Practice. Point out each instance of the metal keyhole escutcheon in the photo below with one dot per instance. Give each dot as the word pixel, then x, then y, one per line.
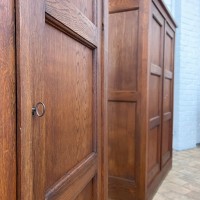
pixel 39 109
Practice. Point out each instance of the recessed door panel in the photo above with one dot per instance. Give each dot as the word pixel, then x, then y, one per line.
pixel 121 148
pixel 168 95
pixel 62 58
pixel 123 38
pixel 69 138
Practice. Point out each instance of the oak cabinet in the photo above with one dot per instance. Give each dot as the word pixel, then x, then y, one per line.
pixel 52 83
pixel 140 97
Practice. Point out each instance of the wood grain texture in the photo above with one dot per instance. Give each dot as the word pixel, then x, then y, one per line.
pixel 62 72
pixel 87 8
pixel 29 54
pixel 168 94
pixel 155 94
pixel 73 19
pixel 160 136
pixel 7 102
pixel 143 87
pixel 73 129
pixel 120 188
pixel 65 187
pixel 122 143
pixel 104 72
pixel 123 110
pixel 122 70
pixel 87 193
pixel 123 96
pixel 122 5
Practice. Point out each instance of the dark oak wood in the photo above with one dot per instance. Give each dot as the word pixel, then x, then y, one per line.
pixel 104 135
pixel 129 96
pixel 140 97
pixel 163 133
pixel 168 82
pixel 8 102
pixel 72 19
pixel 155 94
pixel 122 5
pixel 59 46
pixel 68 187
pixel 125 164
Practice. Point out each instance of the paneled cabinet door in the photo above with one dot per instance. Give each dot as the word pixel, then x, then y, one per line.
pixel 155 93
pixel 167 95
pixel 59 66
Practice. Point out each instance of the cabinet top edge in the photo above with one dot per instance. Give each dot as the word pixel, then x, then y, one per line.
pixel 164 7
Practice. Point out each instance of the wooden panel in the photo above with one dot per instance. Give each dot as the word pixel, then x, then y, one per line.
pixel 153 153
pixel 60 153
pixel 165 12
pixel 120 188
pixel 156 42
pixel 156 70
pixel 154 122
pixel 7 101
pixel 154 96
pixel 104 96
pixel 122 5
pixel 168 52
pixel 168 95
pixel 123 40
pixel 86 7
pixel 166 141
pixel 74 21
pixel 155 170
pixel 121 139
pixel 75 71
pixel 87 193
pixel 123 96
pixel 167 98
pixel 67 187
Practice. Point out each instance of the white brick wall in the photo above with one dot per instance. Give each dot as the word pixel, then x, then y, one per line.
pixel 187 73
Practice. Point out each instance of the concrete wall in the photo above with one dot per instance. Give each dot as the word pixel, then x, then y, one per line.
pixel 187 73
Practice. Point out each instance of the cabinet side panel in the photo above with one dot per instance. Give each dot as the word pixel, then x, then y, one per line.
pixel 7 102
pixel 123 97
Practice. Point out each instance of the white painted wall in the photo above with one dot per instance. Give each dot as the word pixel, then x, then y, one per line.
pixel 187 73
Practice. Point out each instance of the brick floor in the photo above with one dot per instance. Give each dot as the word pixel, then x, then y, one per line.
pixel 183 182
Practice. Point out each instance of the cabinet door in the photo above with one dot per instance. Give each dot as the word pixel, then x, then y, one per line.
pixel 124 144
pixel 155 93
pixel 167 95
pixel 59 65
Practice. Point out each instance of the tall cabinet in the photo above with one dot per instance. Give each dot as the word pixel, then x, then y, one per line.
pixel 140 97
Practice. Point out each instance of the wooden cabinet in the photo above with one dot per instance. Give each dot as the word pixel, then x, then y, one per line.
pixel 140 97
pixel 52 86
pixel 54 59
